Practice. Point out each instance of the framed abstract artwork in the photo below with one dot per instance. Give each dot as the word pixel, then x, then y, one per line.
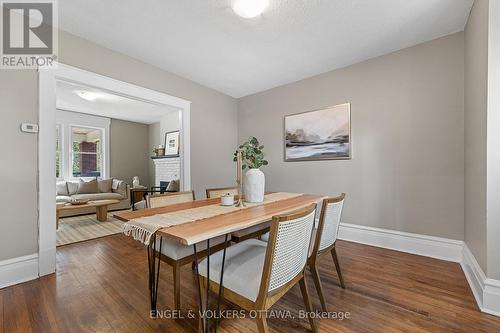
pixel 172 143
pixel 323 134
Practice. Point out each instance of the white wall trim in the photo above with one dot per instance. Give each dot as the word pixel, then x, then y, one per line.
pixel 486 291
pixel 18 270
pixel 429 246
pixel 46 143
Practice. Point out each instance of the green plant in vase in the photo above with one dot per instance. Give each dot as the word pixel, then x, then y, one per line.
pixel 252 158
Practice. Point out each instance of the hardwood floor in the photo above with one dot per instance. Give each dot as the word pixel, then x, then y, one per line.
pixel 101 286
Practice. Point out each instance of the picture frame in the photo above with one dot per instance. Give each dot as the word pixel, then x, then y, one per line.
pixel 321 134
pixel 172 143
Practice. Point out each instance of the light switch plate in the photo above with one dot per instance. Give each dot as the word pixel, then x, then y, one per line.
pixel 29 128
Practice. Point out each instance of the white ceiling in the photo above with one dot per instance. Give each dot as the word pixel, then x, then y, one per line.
pixel 108 105
pixel 203 40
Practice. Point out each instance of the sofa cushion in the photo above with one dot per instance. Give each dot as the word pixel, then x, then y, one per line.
pixel 62 198
pixel 62 188
pixel 105 185
pixel 87 187
pixel 98 196
pixel 72 187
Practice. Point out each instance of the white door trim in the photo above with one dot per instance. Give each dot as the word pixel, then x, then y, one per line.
pixel 46 143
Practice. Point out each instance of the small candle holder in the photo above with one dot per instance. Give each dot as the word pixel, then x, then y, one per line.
pixel 239 180
pixel 240 202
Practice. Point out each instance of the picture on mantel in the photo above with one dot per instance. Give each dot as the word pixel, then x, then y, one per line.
pixel 172 143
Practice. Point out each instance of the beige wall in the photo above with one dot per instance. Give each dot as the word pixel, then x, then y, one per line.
pixel 213 119
pixel 154 141
pixel 129 151
pixel 407 171
pixel 18 168
pixel 476 86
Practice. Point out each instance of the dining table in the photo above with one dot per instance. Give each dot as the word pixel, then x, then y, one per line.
pixel 204 229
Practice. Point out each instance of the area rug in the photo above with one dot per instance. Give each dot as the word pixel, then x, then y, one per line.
pixel 80 228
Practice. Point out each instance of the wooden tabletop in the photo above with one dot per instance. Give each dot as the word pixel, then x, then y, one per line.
pixel 197 231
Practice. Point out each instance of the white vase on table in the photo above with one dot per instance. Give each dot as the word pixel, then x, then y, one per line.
pixel 254 186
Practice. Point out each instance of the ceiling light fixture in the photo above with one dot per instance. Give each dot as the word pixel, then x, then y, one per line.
pixel 249 8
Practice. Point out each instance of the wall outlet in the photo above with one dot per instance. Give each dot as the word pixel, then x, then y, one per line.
pixel 29 128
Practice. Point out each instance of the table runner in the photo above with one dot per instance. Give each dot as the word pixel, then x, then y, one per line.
pixel 143 228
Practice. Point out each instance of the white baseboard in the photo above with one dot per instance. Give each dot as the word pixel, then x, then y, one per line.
pixel 17 270
pixel 428 246
pixel 486 291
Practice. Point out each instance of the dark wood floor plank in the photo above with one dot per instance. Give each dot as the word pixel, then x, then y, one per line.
pixel 101 285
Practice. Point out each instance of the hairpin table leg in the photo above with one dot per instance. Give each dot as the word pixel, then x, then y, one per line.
pixel 205 318
pixel 154 272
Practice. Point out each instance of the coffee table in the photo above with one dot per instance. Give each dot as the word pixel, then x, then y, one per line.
pixel 101 208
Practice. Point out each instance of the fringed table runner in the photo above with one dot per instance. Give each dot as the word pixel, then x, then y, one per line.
pixel 143 228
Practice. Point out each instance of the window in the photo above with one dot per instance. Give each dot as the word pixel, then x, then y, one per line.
pixel 58 152
pixel 86 152
pixel 82 146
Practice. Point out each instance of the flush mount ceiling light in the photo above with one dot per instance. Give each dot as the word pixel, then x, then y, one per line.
pixel 249 8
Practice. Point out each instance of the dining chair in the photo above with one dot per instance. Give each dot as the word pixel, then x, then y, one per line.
pixel 324 241
pixel 174 254
pixel 219 192
pixel 240 235
pixel 324 238
pixel 165 199
pixel 257 274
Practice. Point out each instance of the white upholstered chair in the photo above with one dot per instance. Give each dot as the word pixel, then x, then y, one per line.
pixel 324 238
pixel 173 253
pixel 324 241
pixel 257 274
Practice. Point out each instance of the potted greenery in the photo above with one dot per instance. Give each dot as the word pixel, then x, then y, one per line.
pixel 252 159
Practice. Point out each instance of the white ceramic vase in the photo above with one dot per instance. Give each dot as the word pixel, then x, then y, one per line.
pixel 254 185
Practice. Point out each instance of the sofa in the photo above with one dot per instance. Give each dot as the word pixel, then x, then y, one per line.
pixel 96 189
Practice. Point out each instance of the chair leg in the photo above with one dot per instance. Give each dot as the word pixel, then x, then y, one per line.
pixel 177 286
pixel 307 303
pixel 337 266
pixel 317 284
pixel 261 324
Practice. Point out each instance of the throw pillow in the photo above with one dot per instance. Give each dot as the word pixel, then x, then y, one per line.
pixel 88 187
pixel 72 187
pixel 173 186
pixel 105 185
pixel 61 188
